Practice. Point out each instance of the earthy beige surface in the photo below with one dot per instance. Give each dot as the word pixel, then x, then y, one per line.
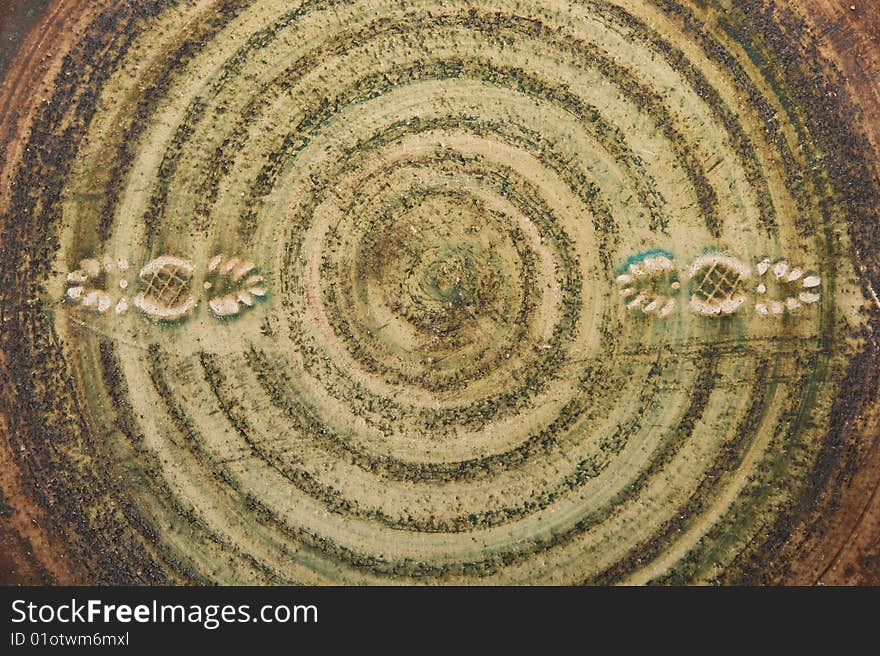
pixel 415 360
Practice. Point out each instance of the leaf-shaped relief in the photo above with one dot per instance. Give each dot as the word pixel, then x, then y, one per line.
pixel 650 284
pixel 98 285
pixel 232 285
pixel 783 289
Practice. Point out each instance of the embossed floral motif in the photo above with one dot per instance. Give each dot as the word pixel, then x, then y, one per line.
pixel 784 289
pixel 231 283
pixel 650 284
pixel 166 289
pixel 98 285
pixel 719 285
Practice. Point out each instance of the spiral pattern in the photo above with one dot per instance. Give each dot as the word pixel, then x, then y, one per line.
pixel 442 383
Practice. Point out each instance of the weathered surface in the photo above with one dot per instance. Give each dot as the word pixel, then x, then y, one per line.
pixel 435 376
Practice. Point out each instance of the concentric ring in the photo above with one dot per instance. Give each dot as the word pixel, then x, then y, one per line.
pixel 423 368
